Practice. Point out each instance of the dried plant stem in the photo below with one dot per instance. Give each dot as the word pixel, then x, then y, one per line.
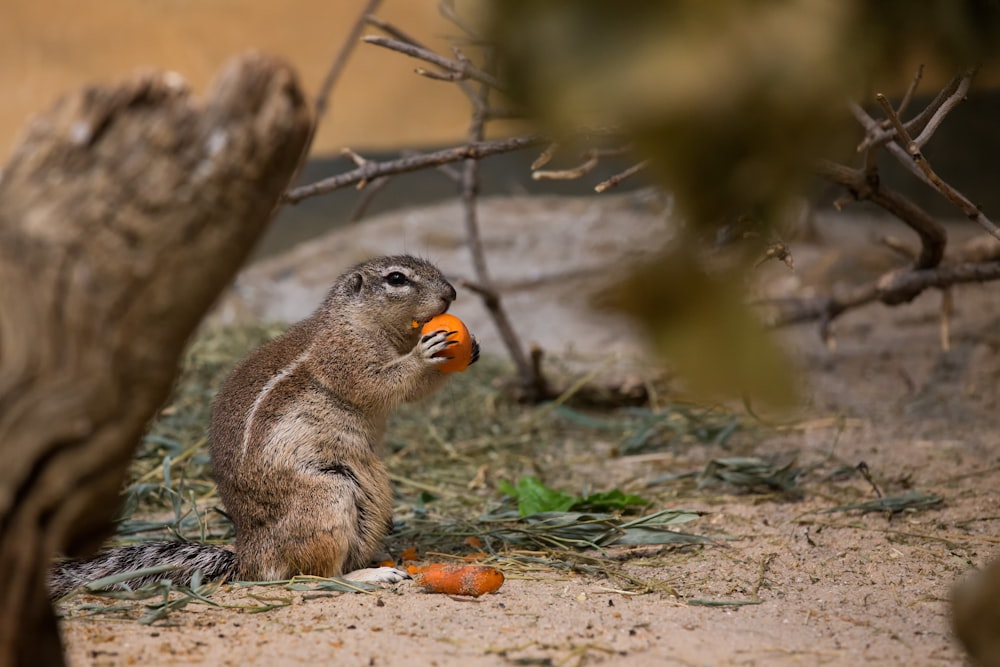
pixel 879 135
pixel 330 80
pixel 372 170
pixel 892 288
pixel 399 35
pixel 531 380
pixel 591 159
pixel 970 210
pixel 872 127
pixel 949 103
pixel 361 208
pixel 908 96
pixel 932 235
pixel 462 68
pixel 621 176
pixel 864 184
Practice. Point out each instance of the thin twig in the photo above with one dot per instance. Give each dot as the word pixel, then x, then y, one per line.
pixel 454 175
pixel 330 80
pixel 447 10
pixel 491 297
pixel 545 157
pixel 570 174
pixel 891 288
pixel 398 34
pixel 621 176
pixel 591 159
pixel 372 170
pixel 873 127
pixel 970 210
pixel 879 136
pixel 908 96
pixel 373 189
pixel 947 105
pixel 464 68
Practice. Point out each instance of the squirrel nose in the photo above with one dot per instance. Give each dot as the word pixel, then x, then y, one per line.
pixel 451 294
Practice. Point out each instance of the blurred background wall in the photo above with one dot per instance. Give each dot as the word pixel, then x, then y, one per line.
pixel 48 47
pixel 51 46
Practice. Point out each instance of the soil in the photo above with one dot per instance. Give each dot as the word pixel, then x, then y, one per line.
pixel 792 585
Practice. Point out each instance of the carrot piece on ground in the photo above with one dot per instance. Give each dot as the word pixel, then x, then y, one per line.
pixel 408 554
pixel 474 580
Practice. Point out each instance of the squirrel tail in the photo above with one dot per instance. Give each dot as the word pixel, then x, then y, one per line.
pixel 214 562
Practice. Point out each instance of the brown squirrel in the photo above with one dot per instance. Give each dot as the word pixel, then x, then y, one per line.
pixel 296 437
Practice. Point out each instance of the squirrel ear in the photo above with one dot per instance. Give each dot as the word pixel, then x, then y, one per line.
pixel 355 282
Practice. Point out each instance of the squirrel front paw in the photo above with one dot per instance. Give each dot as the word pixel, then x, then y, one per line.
pixel 431 345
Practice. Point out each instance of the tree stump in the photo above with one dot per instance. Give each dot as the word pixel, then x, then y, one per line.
pixel 124 211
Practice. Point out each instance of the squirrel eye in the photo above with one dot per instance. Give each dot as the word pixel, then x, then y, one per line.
pixel 396 279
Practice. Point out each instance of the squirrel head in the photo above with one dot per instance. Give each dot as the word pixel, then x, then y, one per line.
pixel 390 293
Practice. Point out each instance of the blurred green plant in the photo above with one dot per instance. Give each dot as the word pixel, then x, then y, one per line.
pixel 534 497
pixel 731 102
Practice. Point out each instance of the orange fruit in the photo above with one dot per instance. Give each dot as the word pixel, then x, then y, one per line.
pixel 460 355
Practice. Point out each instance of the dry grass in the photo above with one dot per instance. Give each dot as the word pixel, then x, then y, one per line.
pixel 448 456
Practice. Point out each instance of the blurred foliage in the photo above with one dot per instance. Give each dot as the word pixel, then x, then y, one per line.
pixel 699 322
pixel 730 101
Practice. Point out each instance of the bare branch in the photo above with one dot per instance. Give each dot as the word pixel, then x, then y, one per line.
pixel 447 10
pixel 933 237
pixel 882 135
pixel 392 30
pixel 619 177
pixel 567 174
pixel 925 114
pixel 441 76
pixel 545 157
pixel 872 127
pixel 532 382
pixel 366 199
pixel 591 159
pixel 372 170
pixel 330 80
pixel 462 67
pixel 340 62
pixel 949 103
pixel 892 288
pixel 397 33
pixel 970 210
pixel 908 96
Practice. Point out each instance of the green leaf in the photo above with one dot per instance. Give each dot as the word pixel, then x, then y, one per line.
pixel 610 500
pixel 534 497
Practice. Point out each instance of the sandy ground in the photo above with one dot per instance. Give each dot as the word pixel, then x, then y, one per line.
pixel 833 589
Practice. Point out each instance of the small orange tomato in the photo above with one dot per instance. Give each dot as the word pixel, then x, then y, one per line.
pixel 460 355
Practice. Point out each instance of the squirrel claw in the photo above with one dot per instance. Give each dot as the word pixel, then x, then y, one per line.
pixel 475 350
pixel 434 343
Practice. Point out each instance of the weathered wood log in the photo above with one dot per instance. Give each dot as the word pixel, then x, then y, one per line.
pixel 124 211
